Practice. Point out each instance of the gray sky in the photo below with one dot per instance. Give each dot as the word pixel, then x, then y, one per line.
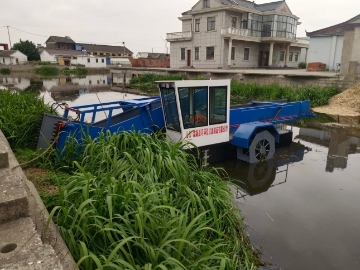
pixel 140 23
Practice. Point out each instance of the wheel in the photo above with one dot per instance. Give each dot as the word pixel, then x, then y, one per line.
pixel 262 147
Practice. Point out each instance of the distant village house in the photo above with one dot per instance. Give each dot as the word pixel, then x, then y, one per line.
pixel 12 57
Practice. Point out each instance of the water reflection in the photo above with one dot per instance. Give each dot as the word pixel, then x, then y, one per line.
pixel 340 141
pixel 253 179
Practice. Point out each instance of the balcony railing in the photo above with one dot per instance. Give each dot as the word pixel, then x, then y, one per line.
pixel 303 41
pixel 179 36
pixel 235 31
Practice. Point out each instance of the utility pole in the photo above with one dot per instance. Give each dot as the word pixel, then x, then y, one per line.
pixel 165 45
pixel 124 47
pixel 9 36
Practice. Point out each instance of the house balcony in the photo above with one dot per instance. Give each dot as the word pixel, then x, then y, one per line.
pixel 301 42
pixel 238 33
pixel 179 36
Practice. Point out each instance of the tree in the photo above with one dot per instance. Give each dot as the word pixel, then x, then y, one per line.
pixel 28 48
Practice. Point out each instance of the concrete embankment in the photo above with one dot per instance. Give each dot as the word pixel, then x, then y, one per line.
pixel 24 242
pixel 29 68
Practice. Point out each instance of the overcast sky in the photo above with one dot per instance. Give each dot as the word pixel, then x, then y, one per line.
pixel 141 24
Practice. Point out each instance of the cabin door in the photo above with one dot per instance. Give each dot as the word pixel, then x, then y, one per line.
pixel 189 58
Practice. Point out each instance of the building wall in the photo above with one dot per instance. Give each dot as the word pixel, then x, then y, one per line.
pixel 239 54
pixel 145 62
pixel 46 57
pixel 89 61
pixel 326 50
pixel 59 45
pixel 350 60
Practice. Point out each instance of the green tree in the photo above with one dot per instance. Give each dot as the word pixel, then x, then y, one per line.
pixel 28 48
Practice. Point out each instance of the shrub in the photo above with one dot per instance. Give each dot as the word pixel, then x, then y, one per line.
pixel 47 71
pixel 5 71
pixel 146 82
pixel 302 65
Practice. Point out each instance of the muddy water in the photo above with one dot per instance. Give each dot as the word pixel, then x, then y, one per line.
pixel 303 207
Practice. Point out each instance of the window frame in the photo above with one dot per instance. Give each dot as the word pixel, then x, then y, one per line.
pixel 182 54
pixel 291 56
pixel 212 24
pixel 197 53
pixel 206 3
pixel 197 25
pixel 282 56
pixel 88 60
pixel 212 106
pixel 248 54
pixel 233 51
pixel 213 53
pixel 296 56
pixel 233 23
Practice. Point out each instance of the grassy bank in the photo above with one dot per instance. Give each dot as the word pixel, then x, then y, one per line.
pixel 5 71
pixel 132 201
pixel 245 92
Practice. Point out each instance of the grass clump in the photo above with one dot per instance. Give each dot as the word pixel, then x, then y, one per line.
pixel 80 71
pixel 146 82
pixel 5 71
pixel 20 116
pixel 47 71
pixel 139 202
pixel 244 92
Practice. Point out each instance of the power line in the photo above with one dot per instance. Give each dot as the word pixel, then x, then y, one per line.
pixel 27 32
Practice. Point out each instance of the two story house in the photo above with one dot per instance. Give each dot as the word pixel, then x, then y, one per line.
pixel 63 43
pixel 236 34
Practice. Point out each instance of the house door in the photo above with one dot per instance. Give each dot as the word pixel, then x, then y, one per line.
pixel 189 58
pixel 263 59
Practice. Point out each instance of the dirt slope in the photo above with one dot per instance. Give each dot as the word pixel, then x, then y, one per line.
pixel 346 103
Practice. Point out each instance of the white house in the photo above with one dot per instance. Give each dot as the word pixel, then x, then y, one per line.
pixel 18 83
pixel 326 45
pixel 72 57
pixel 12 57
pixel 237 34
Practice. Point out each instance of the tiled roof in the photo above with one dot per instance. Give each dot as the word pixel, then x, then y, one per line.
pixel 105 48
pixel 337 29
pixel 252 5
pixel 63 52
pixel 7 53
pixel 61 39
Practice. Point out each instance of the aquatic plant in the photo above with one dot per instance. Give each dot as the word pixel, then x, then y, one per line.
pixel 140 202
pixel 146 82
pixel 78 71
pixel 5 71
pixel 46 71
pixel 20 116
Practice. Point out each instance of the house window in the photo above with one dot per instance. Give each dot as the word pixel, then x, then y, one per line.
pixel 232 53
pixel 119 54
pixel 97 60
pixel 129 55
pixel 98 81
pixel 291 56
pixel 206 4
pixel 197 25
pixel 211 23
pixel 88 60
pixel 94 53
pixel 101 53
pixel 182 54
pixel 4 60
pixel 197 51
pixel 296 57
pixel 74 57
pixel 210 53
pixel 102 60
pixel 233 22
pixel 113 54
pixel 282 56
pixel 103 81
pixel 247 54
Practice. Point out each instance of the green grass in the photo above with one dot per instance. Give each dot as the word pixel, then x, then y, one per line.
pixel 46 71
pixel 5 71
pixel 20 116
pixel 78 71
pixel 146 82
pixel 139 202
pixel 243 92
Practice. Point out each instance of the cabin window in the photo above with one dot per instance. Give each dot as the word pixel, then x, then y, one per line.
pixel 218 105
pixel 197 25
pixel 211 23
pixel 170 109
pixel 194 106
pixel 182 54
pixel 197 52
pixel 210 53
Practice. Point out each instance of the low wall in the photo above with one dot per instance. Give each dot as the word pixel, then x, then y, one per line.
pixel 294 80
pixel 24 242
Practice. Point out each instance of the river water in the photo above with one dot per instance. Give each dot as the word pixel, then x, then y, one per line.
pixel 302 208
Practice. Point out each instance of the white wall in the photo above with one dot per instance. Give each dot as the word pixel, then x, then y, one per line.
pixel 46 57
pixel 19 83
pixel 89 61
pixel 16 58
pixel 326 50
